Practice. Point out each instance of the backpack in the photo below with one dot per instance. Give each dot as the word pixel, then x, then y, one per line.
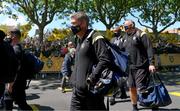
pixel 30 64
pixel 110 79
pixel 120 58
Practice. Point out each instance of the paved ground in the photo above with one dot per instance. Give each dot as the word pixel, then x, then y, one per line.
pixel 44 94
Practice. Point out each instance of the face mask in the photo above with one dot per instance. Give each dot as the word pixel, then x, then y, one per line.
pixel 75 29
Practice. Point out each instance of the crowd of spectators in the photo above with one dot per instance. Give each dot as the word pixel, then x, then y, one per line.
pixel 48 48
pixel 60 48
pixel 165 47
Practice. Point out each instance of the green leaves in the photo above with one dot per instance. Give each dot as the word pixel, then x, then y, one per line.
pixel 158 13
pixel 111 12
pixel 39 12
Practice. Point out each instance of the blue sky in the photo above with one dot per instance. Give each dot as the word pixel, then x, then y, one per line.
pixel 58 23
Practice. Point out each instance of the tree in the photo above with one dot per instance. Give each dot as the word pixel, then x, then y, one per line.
pixel 39 12
pixel 58 34
pixel 1 7
pixel 110 12
pixel 4 28
pixel 79 5
pixel 157 13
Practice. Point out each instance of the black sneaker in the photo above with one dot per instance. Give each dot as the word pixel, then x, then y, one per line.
pixel 112 101
pixel 63 90
pixel 1 105
pixel 124 96
pixel 25 107
pixel 155 108
pixel 135 108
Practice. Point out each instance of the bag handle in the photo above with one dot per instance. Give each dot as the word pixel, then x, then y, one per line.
pixel 155 77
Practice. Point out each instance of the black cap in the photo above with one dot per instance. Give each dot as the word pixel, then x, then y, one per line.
pixel 15 31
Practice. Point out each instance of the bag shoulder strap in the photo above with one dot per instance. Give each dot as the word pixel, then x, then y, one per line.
pixel 140 33
pixel 94 36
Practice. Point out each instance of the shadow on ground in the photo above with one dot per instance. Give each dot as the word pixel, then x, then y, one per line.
pixel 118 100
pixel 122 100
pixel 170 78
pixel 161 109
pixel 46 84
pixel 32 96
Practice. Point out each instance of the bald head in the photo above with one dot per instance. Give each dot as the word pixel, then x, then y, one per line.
pixel 129 25
pixel 70 44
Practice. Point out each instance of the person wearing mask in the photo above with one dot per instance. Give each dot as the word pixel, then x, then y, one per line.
pixel 141 63
pixel 17 88
pixel 121 92
pixel 90 50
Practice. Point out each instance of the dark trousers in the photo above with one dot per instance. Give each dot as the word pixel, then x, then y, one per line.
pixel 2 89
pixel 86 101
pixel 18 95
pixel 63 83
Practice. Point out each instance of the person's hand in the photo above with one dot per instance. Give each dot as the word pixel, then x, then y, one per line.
pixel 152 68
pixel 91 80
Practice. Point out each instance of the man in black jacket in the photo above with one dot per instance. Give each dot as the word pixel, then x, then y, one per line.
pixel 2 67
pixel 17 88
pixel 139 47
pixel 121 92
pixel 8 63
pixel 8 60
pixel 89 51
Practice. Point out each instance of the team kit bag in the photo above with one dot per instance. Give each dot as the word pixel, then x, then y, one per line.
pixel 156 94
pixel 110 79
pixel 31 64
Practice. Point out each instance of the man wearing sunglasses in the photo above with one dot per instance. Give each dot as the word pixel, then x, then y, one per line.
pixel 139 47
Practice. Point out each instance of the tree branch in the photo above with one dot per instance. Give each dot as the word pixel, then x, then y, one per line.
pixel 168 25
pixel 140 21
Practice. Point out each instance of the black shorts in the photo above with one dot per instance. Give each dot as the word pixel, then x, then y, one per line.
pixel 138 78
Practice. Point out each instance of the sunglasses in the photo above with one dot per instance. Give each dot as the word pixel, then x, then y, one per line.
pixel 126 27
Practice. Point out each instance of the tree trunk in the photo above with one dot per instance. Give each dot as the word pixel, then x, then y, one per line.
pixel 108 27
pixel 41 34
pixel 156 34
pixel 76 5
